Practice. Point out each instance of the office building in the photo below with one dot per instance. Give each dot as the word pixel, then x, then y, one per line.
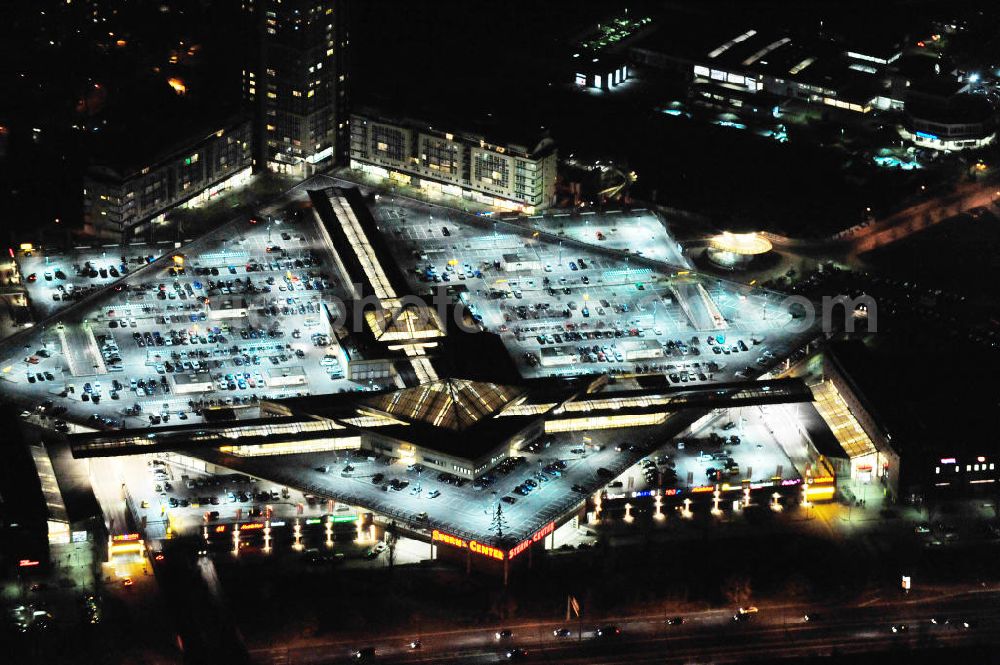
pixel 124 198
pixel 941 114
pixel 465 165
pixel 295 80
pixel 757 69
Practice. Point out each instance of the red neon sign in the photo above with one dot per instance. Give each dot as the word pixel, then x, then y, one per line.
pixel 472 545
pixel 455 541
pixel 528 542
pixel 251 526
pixel 485 550
pixel 27 563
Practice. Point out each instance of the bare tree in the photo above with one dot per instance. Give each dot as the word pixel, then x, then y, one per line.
pixel 737 589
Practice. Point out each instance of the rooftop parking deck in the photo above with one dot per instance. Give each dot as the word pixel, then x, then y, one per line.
pixel 591 302
pixel 263 332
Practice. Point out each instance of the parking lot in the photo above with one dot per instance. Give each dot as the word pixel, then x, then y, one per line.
pixel 55 279
pixel 548 478
pixel 464 508
pixel 736 444
pixel 639 231
pixel 564 311
pixel 239 314
pixel 165 493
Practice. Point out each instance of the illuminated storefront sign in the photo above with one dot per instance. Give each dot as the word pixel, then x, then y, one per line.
pixel 472 545
pixel 27 563
pixel 125 537
pixel 528 542
pixel 486 550
pixel 671 492
pixel 252 526
pixel 703 488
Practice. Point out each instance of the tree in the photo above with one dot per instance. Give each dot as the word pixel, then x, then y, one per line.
pixel 498 524
pixel 390 541
pixel 737 589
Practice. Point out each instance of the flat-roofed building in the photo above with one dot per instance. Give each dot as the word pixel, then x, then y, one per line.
pixel 227 307
pixel 123 197
pixel 558 356
pixel 455 163
pixel 193 382
pixel 942 115
pixel 757 68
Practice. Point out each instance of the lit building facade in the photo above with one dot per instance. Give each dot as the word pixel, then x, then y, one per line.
pixel 296 82
pixel 948 120
pixel 121 202
pixel 758 69
pixel 458 164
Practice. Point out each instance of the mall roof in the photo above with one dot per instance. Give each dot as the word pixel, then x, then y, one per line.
pixel 472 131
pixel 405 322
pixel 455 404
pixel 778 53
pixel 360 247
pixel 921 411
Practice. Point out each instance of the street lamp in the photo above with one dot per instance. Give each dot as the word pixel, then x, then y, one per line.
pixel 716 498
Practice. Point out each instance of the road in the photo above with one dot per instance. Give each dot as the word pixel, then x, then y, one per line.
pixel 776 631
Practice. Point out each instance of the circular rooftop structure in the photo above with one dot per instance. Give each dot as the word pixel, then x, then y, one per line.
pixel 960 122
pixel 736 250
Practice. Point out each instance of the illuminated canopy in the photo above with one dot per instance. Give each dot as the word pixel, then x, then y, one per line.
pixel 744 244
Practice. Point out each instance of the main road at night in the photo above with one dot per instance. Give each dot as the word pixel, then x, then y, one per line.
pixel 973 618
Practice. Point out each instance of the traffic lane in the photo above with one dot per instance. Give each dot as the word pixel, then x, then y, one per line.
pixel 775 629
pixel 716 644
